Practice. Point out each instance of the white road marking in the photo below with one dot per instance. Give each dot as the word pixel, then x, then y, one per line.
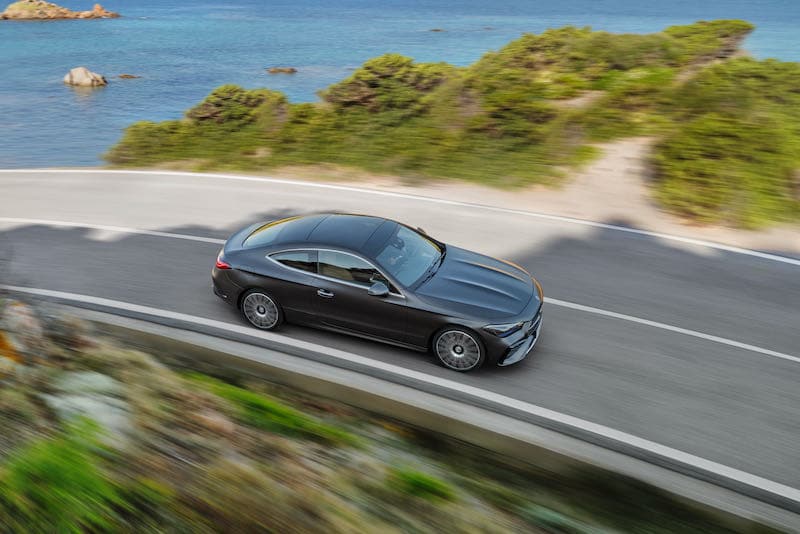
pixel 549 300
pixel 107 228
pixel 675 455
pixel 297 183
pixel 676 329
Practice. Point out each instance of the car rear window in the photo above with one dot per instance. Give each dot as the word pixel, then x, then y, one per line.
pixel 289 230
pixel 304 260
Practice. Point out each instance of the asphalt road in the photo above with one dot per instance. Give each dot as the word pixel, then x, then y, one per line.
pixel 736 406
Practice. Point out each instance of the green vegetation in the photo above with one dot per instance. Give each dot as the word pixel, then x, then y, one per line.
pixel 727 126
pixel 55 485
pixel 266 413
pixel 734 153
pixel 420 484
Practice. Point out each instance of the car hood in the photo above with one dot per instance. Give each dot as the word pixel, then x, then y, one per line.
pixel 478 285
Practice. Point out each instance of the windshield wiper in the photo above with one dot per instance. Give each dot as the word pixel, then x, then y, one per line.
pixel 435 266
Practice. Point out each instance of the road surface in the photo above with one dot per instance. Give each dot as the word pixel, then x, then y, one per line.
pixel 614 350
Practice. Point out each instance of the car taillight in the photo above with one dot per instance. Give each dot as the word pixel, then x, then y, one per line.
pixel 221 263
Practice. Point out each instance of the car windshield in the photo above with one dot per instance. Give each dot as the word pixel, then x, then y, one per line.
pixel 408 255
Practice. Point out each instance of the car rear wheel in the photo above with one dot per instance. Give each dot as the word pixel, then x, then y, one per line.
pixel 261 310
pixel 459 349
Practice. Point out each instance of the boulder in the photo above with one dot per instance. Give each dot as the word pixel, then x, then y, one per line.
pixel 83 77
pixel 128 76
pixel 112 414
pixel 281 70
pixel 22 336
pixel 41 10
pixel 95 396
pixel 88 382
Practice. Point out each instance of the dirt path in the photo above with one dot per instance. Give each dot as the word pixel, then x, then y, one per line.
pixel 611 189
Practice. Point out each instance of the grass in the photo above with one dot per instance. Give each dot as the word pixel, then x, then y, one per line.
pixel 56 485
pixel 267 413
pixel 419 484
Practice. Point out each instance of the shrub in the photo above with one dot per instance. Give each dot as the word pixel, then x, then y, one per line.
pixel 232 105
pixel 389 82
pixel 735 149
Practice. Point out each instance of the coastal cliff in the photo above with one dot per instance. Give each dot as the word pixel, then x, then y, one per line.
pixel 41 10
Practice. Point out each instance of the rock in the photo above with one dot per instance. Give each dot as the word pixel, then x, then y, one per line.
pixel 95 396
pixel 8 366
pixel 436 30
pixel 128 76
pixel 110 413
pixel 41 10
pixel 22 337
pixel 282 70
pixel 84 77
pixel 67 331
pixel 88 382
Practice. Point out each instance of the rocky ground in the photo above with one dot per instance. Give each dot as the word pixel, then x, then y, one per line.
pixel 95 436
pixel 41 10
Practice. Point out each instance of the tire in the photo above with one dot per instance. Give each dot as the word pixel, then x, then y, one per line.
pixel 261 310
pixel 459 349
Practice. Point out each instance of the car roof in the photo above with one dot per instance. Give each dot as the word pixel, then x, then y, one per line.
pixel 362 233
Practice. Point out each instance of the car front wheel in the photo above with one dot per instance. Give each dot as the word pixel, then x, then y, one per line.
pixel 459 349
pixel 261 310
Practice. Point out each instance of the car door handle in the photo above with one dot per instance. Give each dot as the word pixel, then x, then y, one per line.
pixel 324 293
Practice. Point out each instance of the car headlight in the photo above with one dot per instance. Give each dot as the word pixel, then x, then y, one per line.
pixel 539 291
pixel 503 330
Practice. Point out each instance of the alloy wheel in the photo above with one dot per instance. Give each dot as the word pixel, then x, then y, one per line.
pixel 260 310
pixel 458 350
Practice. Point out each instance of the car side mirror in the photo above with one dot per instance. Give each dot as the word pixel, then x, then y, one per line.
pixel 378 289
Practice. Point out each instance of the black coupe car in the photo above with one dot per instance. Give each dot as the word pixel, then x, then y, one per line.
pixel 382 280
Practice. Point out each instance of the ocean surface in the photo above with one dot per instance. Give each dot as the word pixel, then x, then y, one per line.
pixel 182 49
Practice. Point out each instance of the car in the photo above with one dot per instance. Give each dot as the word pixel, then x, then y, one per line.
pixel 382 280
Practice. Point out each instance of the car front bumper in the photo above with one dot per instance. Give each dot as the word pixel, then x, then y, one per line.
pixel 522 347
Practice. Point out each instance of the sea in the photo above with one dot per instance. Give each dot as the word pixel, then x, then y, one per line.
pixel 182 49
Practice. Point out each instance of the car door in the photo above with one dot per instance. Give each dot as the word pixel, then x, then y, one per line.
pixel 343 301
pixel 292 280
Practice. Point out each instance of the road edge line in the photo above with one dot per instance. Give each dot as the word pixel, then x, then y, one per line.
pixel 560 218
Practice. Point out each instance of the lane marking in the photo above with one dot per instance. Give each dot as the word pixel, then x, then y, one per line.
pixel 549 300
pixel 105 227
pixel 781 490
pixel 671 328
pixel 352 189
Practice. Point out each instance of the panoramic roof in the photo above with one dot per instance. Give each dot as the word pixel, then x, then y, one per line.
pixel 341 230
pixel 348 231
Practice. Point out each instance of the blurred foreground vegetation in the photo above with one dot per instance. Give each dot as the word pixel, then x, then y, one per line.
pixel 728 126
pixel 96 437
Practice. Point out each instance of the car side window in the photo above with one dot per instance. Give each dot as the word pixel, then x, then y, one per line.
pixel 348 268
pixel 304 260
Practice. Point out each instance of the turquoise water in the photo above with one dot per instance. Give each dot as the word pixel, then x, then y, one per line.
pixel 183 49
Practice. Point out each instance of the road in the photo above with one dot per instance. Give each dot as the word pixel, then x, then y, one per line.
pixel 612 350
